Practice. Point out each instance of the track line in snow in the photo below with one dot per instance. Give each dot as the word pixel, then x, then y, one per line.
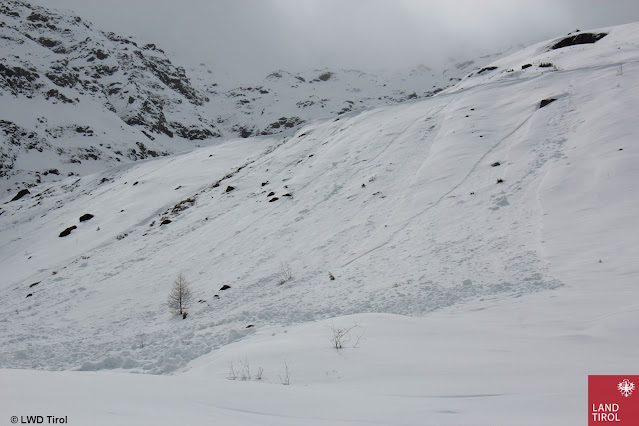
pixel 442 197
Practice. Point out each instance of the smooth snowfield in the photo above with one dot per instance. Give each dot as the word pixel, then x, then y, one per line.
pixel 480 302
pixel 450 368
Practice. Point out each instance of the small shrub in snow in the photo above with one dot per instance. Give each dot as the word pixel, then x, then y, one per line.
pixel 232 372
pixel 141 339
pixel 243 371
pixel 285 272
pixel 285 377
pixel 340 337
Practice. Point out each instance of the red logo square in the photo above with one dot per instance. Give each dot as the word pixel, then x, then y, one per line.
pixel 613 400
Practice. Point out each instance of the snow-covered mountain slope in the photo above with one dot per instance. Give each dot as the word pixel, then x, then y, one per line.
pixel 283 99
pixel 75 99
pixel 469 197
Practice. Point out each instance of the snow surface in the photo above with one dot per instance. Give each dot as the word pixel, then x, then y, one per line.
pixel 475 302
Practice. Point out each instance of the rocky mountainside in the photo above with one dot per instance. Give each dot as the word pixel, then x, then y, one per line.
pixel 76 99
pixel 284 99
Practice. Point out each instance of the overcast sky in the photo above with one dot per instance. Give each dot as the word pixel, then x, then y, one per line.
pixel 254 37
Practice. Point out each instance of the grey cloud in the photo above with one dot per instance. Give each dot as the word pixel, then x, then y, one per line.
pixel 252 37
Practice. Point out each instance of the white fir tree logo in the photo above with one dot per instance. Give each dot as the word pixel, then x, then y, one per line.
pixel 626 387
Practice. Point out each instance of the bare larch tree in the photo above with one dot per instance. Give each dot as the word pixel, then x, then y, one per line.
pixel 180 296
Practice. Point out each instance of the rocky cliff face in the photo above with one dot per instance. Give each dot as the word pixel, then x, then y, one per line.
pixel 62 58
pixel 72 94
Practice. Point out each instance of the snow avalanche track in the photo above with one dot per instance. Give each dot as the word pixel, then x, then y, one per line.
pixel 401 204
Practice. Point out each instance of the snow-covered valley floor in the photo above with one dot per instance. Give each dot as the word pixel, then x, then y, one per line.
pixel 481 293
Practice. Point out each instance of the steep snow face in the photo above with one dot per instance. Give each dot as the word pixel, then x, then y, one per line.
pixel 473 196
pixel 589 198
pixel 76 100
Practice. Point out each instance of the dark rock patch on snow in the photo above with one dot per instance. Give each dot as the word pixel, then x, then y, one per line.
pixel 282 123
pixel 325 76
pixel 85 217
pixel 67 231
pixel 545 102
pixel 486 69
pixel 20 194
pixel 581 38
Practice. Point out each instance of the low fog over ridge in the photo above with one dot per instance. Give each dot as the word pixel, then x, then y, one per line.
pixel 250 38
